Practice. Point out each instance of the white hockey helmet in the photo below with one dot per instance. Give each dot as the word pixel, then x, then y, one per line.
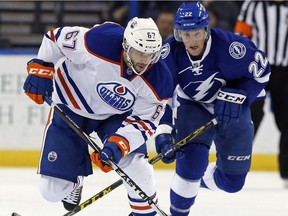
pixel 142 34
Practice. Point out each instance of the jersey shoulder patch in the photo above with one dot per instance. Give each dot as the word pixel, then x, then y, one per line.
pixel 105 41
pixel 160 80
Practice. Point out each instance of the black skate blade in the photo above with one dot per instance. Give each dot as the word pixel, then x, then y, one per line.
pixel 15 214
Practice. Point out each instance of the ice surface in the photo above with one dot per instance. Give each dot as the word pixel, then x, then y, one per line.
pixel 263 195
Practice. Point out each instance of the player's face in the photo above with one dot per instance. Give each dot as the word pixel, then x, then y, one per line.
pixel 194 41
pixel 140 60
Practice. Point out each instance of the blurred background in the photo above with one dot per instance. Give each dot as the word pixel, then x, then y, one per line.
pixel 22 25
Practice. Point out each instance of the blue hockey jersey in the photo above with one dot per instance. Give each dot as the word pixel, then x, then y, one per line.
pixel 229 60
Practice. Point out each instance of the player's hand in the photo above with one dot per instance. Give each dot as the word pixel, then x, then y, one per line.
pixel 114 149
pixel 165 145
pixel 97 161
pixel 228 106
pixel 39 81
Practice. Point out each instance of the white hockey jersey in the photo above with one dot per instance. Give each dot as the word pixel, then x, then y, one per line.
pixel 94 81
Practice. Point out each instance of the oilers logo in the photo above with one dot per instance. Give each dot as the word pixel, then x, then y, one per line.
pixel 116 95
pixel 52 156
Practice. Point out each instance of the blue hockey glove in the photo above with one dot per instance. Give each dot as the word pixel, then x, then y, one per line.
pixel 164 144
pixel 228 106
pixel 39 81
pixel 115 148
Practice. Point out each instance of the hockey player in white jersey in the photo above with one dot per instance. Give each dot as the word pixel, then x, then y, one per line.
pixel 218 74
pixel 111 81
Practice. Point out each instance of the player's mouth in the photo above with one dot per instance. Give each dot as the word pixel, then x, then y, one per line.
pixel 194 47
pixel 141 66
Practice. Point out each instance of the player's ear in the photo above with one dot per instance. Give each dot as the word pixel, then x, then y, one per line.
pixel 207 33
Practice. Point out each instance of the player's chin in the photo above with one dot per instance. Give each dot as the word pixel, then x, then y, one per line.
pixel 194 51
pixel 140 67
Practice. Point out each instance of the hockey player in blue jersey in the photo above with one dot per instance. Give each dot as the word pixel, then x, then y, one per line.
pixel 109 80
pixel 217 74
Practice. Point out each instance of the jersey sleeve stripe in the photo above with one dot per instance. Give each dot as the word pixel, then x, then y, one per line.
pixel 52 34
pixel 76 89
pixel 67 90
pixel 141 123
pixel 58 33
pixel 59 93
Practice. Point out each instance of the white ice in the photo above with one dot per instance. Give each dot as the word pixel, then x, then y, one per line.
pixel 263 195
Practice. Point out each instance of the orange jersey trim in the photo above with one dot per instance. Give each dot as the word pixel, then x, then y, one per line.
pixel 151 87
pixel 144 126
pixel 94 54
pixel 122 144
pixel 52 35
pixel 67 90
pixel 243 29
pixel 142 207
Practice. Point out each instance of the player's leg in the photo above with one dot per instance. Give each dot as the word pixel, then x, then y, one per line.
pixel 190 169
pixel 64 161
pixel 56 189
pixel 257 113
pixel 234 152
pixel 137 167
pixel 279 95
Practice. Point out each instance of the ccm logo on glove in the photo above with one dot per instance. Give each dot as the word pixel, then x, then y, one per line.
pixel 39 81
pixel 231 97
pixel 40 70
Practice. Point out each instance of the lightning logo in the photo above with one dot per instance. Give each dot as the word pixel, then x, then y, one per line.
pixel 237 50
pixel 207 90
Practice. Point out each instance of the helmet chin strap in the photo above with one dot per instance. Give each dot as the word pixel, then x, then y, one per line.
pixel 130 64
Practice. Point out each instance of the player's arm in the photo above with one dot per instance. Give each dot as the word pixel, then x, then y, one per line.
pixel 64 42
pixel 57 43
pixel 244 24
pixel 256 73
pixel 163 137
pixel 236 98
pixel 135 131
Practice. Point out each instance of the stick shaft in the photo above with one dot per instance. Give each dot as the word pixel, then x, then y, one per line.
pixel 151 161
pixel 187 139
pixel 95 197
pixel 114 166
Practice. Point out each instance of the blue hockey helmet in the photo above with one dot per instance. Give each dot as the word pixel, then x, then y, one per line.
pixel 191 16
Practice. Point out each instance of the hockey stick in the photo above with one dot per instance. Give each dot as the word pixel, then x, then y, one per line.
pixel 95 197
pixel 152 161
pixel 155 159
pixel 111 163
pixel 187 139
